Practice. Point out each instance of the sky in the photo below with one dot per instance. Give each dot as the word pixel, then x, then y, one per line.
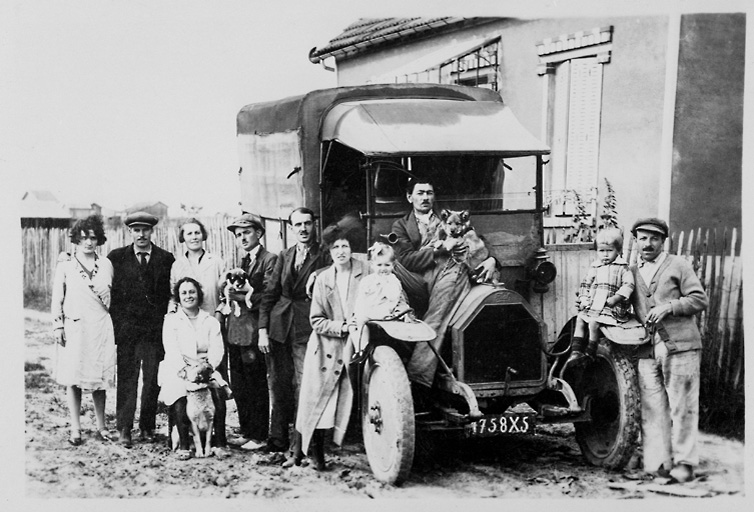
pixel 118 102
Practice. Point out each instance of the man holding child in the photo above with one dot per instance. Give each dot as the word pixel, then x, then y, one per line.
pixel 668 295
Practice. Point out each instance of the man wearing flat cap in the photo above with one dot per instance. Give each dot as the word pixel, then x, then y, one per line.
pixel 140 296
pixel 668 295
pixel 248 371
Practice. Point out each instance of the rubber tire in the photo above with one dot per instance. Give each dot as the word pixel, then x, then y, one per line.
pixel 610 439
pixel 391 450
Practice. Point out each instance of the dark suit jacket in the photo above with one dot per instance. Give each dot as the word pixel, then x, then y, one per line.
pixel 408 247
pixel 285 306
pixel 243 330
pixel 139 299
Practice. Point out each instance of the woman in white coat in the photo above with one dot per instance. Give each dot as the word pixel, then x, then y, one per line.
pixel 326 396
pixel 193 333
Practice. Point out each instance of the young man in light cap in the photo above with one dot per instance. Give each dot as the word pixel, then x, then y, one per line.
pixel 140 296
pixel 248 371
pixel 668 295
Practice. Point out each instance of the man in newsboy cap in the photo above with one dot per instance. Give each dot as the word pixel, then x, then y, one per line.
pixel 667 296
pixel 140 296
pixel 248 371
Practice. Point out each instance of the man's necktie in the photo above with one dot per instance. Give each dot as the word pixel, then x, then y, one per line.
pixel 143 259
pixel 300 258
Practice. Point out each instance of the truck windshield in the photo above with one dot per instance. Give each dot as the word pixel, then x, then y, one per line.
pixel 478 183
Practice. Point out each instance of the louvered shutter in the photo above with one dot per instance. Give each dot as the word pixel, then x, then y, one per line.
pixel 584 124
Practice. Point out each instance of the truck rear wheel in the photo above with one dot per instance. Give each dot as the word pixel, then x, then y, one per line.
pixel 610 385
pixel 388 417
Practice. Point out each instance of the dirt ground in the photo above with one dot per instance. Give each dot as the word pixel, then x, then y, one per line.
pixel 546 464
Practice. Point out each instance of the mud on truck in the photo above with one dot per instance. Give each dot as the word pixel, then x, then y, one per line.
pixel 350 151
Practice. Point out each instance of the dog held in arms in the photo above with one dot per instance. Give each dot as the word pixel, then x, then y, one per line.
pixel 199 406
pixel 457 224
pixel 236 281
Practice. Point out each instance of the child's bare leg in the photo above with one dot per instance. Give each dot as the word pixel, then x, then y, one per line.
pixel 580 330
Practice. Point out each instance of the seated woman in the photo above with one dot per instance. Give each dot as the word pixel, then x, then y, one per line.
pixel 193 333
pixel 326 394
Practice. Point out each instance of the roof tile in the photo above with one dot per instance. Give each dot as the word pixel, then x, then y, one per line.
pixel 367 32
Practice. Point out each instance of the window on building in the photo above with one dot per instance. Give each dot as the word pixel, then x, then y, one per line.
pixel 476 66
pixel 571 66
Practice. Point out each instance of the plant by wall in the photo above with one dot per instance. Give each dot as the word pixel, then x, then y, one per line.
pixel 609 211
pixel 583 227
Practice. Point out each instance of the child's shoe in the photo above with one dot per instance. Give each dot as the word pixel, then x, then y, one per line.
pixel 577 355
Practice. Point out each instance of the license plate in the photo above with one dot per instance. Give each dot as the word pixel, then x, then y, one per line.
pixel 508 423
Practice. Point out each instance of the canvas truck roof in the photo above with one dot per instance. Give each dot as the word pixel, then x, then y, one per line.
pixel 429 126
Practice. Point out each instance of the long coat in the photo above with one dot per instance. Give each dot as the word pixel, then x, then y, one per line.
pixel 327 355
pixel 179 338
pixel 285 306
pixel 139 299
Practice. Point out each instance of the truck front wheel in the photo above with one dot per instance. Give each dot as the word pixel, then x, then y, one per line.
pixel 609 387
pixel 388 417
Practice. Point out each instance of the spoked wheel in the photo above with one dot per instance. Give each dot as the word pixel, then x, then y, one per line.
pixel 388 417
pixel 610 386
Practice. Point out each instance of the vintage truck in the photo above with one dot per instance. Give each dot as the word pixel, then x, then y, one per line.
pixel 350 151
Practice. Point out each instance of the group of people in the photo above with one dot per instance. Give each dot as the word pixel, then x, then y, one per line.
pixel 286 350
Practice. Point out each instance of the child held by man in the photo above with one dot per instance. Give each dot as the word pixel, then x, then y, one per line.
pixel 603 295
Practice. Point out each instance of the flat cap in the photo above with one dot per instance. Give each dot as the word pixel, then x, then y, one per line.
pixel 652 224
pixel 140 219
pixel 247 220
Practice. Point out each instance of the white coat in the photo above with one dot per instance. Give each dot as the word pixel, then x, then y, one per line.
pixel 180 338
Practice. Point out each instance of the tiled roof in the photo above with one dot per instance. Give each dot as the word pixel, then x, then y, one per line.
pixel 39 195
pixel 368 32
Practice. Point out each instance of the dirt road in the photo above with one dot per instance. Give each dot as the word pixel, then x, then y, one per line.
pixel 544 465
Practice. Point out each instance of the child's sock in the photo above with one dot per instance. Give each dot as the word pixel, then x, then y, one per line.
pixel 591 349
pixel 578 344
pixel 577 353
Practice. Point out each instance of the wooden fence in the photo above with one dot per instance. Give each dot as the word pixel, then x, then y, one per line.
pixel 41 247
pixel 719 268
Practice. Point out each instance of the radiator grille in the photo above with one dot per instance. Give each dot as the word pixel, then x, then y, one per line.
pixel 501 336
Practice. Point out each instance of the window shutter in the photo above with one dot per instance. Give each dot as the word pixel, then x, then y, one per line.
pixel 584 124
